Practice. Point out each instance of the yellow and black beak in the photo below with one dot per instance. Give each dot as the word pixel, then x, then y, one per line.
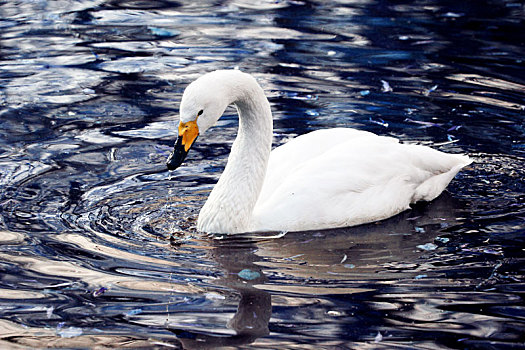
pixel 188 133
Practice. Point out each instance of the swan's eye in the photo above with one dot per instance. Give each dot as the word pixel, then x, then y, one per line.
pixel 200 112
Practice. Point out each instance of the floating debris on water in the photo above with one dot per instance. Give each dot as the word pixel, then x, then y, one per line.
pixel 422 123
pixel 419 229
pixel 428 91
pixel 453 15
pixel 133 312
pixel 297 96
pixel 378 122
pixel 214 296
pixel 49 311
pixel 378 338
pixel 364 92
pixel 427 246
pixel 69 332
pixel 418 277
pixel 454 128
pixel 99 291
pixel 249 275
pixel 163 31
pixel 386 86
pixel 335 313
pixel 293 257
pixel 442 239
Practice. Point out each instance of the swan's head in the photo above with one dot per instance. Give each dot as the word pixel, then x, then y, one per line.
pixel 202 104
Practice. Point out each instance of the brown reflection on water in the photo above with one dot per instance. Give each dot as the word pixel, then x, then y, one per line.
pixel 103 249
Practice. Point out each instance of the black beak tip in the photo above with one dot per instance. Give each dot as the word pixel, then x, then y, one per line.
pixel 177 156
pixel 171 163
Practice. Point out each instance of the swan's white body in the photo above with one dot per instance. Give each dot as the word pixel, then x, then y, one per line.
pixel 325 179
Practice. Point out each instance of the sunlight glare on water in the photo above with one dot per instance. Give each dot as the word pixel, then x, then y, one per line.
pixel 98 245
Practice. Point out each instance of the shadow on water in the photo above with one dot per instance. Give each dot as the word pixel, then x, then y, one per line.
pixel 353 282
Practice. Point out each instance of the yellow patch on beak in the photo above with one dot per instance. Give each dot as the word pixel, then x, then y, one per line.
pixel 189 132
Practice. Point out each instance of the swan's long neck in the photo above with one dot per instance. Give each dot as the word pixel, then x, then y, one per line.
pixel 229 207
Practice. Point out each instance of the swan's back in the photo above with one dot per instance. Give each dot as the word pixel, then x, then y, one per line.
pixel 344 177
pixel 286 159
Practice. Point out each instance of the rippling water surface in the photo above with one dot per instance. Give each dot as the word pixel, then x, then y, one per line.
pixel 97 239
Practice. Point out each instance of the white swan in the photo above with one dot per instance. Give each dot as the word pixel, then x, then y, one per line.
pixel 325 179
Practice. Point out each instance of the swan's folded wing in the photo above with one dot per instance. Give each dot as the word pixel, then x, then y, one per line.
pixel 288 158
pixel 354 183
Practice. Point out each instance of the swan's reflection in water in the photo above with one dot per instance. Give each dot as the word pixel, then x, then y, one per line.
pixel 317 265
pixel 236 256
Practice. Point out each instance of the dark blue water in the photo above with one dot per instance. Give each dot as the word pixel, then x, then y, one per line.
pixel 97 239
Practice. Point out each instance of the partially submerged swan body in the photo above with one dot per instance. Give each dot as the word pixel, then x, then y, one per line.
pixel 324 179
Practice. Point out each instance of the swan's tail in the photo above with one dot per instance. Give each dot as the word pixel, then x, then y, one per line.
pixel 432 188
